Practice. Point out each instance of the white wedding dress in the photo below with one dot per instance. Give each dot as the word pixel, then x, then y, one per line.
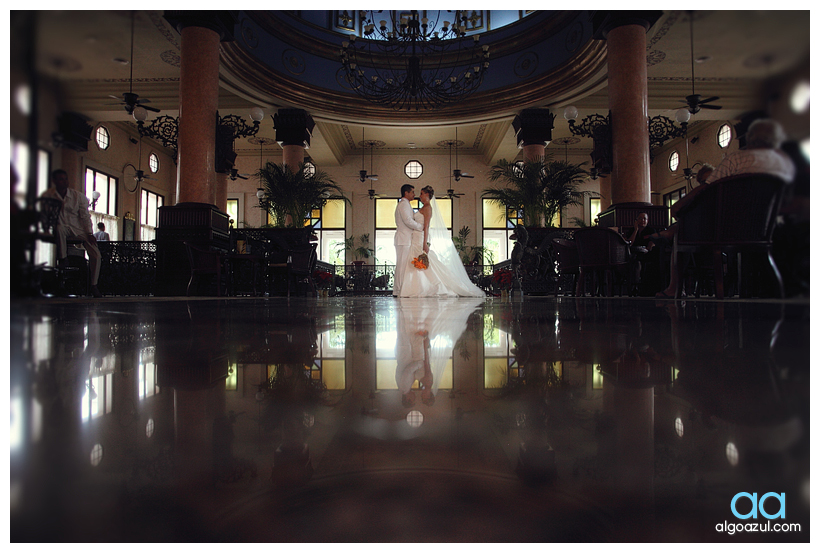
pixel 445 275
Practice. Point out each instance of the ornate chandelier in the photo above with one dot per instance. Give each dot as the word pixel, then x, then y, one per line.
pixel 411 63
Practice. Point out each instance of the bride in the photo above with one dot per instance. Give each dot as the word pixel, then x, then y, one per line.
pixel 445 274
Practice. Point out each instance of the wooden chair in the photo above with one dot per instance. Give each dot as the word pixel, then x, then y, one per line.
pixel 204 263
pixel 734 215
pixel 566 256
pixel 602 251
pixel 301 264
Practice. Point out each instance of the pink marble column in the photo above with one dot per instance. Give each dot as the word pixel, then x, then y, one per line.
pixel 293 155
pixel 221 191
pixel 534 152
pixel 198 97
pixel 628 98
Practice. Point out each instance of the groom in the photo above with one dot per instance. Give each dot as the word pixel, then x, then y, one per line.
pixel 405 225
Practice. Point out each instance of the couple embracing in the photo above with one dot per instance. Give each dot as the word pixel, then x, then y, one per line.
pixel 424 234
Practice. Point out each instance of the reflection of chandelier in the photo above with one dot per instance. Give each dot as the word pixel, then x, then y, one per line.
pixel 412 63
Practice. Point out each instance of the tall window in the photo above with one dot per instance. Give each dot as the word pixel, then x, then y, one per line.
pixel 329 224
pixel 386 225
pixel 498 226
pixel 105 210
pixel 20 160
pixel 150 202
pixel 594 209
pixel 674 196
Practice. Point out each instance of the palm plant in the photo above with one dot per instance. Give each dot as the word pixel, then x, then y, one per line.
pixel 289 197
pixel 360 251
pixel 540 189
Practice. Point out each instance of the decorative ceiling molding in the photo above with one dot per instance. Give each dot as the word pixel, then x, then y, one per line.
pixel 254 79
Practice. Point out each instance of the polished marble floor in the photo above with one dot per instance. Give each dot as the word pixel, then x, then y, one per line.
pixel 377 419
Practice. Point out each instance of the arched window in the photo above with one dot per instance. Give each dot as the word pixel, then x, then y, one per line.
pixel 674 161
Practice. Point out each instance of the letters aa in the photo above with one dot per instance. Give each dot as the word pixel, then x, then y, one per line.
pixel 759 505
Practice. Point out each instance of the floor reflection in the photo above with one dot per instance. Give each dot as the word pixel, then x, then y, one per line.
pixel 376 419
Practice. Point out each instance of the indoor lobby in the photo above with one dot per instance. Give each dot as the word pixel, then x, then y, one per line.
pixel 241 397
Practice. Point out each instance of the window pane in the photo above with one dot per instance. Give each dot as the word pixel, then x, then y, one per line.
pixel 594 209
pixel 385 209
pixel 386 373
pixel 333 214
pixel 494 215
pixel 333 374
pixel 330 239
pixel 385 250
pixel 495 373
pixel 101 186
pixel 233 210
pixel 445 205
pixel 498 243
pixel 144 207
pixel 152 209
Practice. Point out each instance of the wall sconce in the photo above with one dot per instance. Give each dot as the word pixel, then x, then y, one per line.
pixel 95 195
pixel 164 128
pixel 662 128
pixel 598 128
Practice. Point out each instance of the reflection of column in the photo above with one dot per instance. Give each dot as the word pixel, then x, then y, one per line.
pixel 632 409
pixel 625 33
pixel 533 131
pixel 194 414
pixel 201 33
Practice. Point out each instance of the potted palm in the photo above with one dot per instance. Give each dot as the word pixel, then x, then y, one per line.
pixel 359 246
pixel 540 189
pixel 290 196
pixel 470 255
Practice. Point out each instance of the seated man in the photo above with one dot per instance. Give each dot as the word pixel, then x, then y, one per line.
pixel 762 155
pixel 646 276
pixel 101 235
pixel 74 222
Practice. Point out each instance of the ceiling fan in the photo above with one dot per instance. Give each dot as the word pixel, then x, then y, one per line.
pixel 363 175
pixel 136 173
pixel 694 102
pixel 130 100
pixel 234 174
pixel 371 194
pixel 457 173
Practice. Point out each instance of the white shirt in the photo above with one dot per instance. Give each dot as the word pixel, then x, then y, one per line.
pixel 74 214
pixel 101 235
pixel 757 160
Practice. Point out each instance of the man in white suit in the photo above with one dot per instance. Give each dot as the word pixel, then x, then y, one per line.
pixel 405 225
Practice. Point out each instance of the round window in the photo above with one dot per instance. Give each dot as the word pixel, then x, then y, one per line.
pixel 103 138
pixel 800 97
pixel 413 169
pixel 153 162
pixel 674 161
pixel 724 136
pixel 310 169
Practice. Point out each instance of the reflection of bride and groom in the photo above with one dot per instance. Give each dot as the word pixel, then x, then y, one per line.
pixel 425 232
pixel 425 336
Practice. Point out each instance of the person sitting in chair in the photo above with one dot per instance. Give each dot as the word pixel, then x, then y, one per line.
pixel 101 235
pixel 74 222
pixel 761 155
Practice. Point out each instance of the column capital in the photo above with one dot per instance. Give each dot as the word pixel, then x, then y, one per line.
pixel 221 22
pixel 534 126
pixel 294 127
pixel 605 21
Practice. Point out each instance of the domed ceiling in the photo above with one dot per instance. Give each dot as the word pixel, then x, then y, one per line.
pixel 542 58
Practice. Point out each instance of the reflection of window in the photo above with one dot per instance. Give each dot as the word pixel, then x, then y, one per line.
pixel 103 138
pixel 97 396
pixel 149 213
pixel 724 136
pixel 732 454
pixel 499 363
pixel 96 455
pixel 231 380
pixel 330 359
pixel 147 375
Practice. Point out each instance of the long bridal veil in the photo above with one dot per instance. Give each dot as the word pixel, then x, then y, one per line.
pixel 448 263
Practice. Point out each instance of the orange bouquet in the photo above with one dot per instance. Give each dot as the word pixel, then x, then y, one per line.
pixel 421 262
